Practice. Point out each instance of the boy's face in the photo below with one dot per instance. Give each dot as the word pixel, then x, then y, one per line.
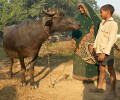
pixel 103 14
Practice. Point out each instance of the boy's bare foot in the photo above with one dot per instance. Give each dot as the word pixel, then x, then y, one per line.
pixel 112 95
pixel 96 90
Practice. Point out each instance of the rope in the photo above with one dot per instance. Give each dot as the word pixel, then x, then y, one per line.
pixel 48 59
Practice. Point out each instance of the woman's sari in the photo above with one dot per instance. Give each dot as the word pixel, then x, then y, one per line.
pixel 84 67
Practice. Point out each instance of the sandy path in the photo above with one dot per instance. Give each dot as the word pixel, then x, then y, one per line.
pixel 64 89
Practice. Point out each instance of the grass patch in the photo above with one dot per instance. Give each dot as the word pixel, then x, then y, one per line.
pixel 2 54
pixel 60 52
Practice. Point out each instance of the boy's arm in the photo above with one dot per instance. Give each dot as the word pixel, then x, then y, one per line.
pixel 94 46
pixel 112 39
pixel 95 42
pixel 96 38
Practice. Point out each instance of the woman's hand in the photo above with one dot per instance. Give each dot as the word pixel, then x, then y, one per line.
pixel 94 51
pixel 101 57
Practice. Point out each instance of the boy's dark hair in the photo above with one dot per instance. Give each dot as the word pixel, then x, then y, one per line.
pixel 108 7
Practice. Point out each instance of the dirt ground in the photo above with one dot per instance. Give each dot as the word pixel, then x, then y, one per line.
pixel 65 87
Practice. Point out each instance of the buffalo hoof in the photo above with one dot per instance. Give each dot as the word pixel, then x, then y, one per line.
pixel 23 84
pixel 34 87
pixel 27 70
pixel 9 75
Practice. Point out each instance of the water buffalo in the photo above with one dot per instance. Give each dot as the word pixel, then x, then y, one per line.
pixel 25 39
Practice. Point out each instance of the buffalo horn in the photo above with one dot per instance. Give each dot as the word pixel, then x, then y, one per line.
pixel 50 12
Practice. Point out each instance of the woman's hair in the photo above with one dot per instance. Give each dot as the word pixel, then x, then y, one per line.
pixel 108 7
pixel 80 6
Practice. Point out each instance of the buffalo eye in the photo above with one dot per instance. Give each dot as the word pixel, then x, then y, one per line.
pixel 68 23
pixel 61 14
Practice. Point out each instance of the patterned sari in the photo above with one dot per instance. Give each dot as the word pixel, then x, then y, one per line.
pixel 84 66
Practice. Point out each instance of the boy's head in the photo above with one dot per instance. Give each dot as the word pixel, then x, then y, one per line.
pixel 106 11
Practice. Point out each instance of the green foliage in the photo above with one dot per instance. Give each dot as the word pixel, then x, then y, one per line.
pixel 14 11
pixel 2 54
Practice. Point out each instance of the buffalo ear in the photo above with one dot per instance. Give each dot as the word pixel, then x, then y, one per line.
pixel 48 23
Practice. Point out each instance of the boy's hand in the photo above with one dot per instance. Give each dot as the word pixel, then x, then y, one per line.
pixel 101 57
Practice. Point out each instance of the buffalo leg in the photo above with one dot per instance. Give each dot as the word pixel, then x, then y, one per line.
pixel 10 73
pixel 32 72
pixel 31 69
pixel 23 69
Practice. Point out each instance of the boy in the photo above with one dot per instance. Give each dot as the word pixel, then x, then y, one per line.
pixel 103 46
